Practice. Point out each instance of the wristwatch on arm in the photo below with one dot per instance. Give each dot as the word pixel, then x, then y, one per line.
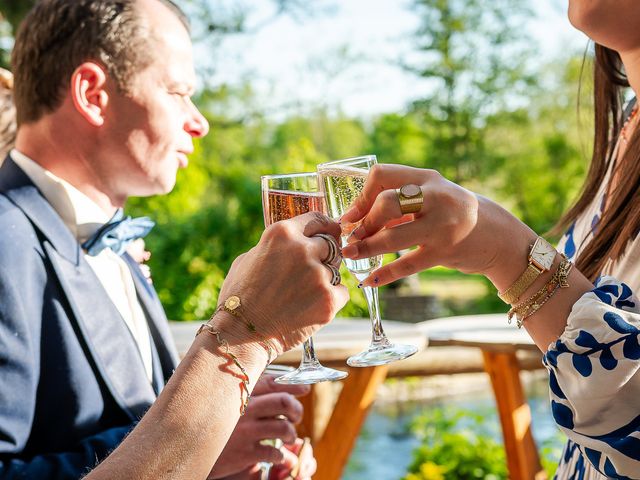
pixel 541 257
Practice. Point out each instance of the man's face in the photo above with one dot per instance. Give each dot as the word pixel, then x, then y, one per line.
pixel 149 131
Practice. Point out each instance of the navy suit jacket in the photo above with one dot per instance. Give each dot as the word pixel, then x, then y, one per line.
pixel 72 382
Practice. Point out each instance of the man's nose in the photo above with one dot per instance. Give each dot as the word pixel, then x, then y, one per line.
pixel 196 125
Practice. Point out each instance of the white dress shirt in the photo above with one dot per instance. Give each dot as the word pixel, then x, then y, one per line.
pixel 83 217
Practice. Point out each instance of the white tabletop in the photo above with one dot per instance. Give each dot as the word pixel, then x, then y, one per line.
pixel 486 330
pixel 336 341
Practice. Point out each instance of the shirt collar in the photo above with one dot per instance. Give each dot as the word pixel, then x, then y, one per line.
pixel 79 213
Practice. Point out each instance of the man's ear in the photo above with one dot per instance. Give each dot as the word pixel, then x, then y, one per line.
pixel 88 92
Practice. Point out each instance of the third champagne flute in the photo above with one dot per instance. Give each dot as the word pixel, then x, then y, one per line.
pixel 284 197
pixel 343 181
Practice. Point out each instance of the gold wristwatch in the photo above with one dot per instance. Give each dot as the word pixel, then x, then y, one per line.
pixel 541 257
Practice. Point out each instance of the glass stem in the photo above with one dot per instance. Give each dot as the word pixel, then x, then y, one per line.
pixel 308 354
pixel 265 470
pixel 378 338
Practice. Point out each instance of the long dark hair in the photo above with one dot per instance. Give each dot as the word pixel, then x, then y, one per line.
pixel 620 220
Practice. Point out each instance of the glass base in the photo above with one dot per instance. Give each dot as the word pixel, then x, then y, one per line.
pixel 381 355
pixel 311 374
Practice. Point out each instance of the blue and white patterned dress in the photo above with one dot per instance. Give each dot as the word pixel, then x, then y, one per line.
pixel 594 377
pixel 594 366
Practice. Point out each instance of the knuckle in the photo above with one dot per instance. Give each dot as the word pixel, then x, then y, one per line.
pixel 363 248
pixel 403 268
pixel 286 401
pixel 376 171
pixel 313 220
pixel 279 231
pixel 289 435
pixel 432 174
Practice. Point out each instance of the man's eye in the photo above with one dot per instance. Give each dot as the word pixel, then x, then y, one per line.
pixel 181 96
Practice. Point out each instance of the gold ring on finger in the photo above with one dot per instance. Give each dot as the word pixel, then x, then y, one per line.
pixel 410 198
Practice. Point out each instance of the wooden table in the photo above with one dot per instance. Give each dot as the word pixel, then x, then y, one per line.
pixel 334 438
pixel 499 343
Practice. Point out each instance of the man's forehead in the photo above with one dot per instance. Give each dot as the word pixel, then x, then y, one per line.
pixel 157 16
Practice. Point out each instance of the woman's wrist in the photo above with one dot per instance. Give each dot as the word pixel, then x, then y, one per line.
pixel 508 242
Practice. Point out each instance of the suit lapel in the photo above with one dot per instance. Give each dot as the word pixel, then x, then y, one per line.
pixel 157 320
pixel 101 328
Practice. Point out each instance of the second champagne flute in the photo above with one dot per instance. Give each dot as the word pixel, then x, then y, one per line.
pixel 283 197
pixel 343 181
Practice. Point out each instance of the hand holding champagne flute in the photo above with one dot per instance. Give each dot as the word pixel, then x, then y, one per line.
pixel 343 181
pixel 283 197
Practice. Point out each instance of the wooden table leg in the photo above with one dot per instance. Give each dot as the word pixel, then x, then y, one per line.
pixel 523 461
pixel 318 405
pixel 333 449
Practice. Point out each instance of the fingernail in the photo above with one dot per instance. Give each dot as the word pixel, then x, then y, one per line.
pixel 350 251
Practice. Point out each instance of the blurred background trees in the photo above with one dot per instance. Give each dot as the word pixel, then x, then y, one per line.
pixel 492 118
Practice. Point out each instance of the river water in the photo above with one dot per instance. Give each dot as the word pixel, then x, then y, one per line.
pixel 383 450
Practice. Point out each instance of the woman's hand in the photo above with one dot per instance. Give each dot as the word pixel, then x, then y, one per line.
pixel 283 286
pixel 455 228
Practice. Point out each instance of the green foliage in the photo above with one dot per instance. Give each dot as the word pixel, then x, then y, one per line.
pixel 473 54
pixel 456 444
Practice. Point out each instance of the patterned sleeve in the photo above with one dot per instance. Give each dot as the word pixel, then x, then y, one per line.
pixel 594 370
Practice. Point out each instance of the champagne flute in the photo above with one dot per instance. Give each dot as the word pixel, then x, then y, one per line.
pixel 342 182
pixel 284 197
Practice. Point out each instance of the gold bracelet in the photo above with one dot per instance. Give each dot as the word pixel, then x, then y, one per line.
pixel 530 306
pixel 232 305
pixel 245 377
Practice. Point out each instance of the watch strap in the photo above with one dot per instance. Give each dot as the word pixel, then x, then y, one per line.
pixel 513 293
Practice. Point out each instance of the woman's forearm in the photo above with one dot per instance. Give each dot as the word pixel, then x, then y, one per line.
pixel 511 259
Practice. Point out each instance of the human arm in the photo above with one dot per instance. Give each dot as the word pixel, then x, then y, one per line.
pixel 184 432
pixel 594 377
pixel 458 229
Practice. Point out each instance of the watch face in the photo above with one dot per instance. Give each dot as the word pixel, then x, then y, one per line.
pixel 543 254
pixel 410 190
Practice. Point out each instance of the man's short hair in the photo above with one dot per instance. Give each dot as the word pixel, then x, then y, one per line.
pixel 57 36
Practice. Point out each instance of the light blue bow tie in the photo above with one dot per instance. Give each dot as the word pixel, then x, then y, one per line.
pixel 117 233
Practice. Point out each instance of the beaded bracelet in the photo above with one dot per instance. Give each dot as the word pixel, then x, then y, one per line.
pixel 223 343
pixel 530 306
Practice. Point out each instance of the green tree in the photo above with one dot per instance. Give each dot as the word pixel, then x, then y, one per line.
pixel 540 153
pixel 472 53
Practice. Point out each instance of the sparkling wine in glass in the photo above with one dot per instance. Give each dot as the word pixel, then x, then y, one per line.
pixel 283 197
pixel 342 182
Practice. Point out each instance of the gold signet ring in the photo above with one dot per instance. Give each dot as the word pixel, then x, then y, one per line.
pixel 410 198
